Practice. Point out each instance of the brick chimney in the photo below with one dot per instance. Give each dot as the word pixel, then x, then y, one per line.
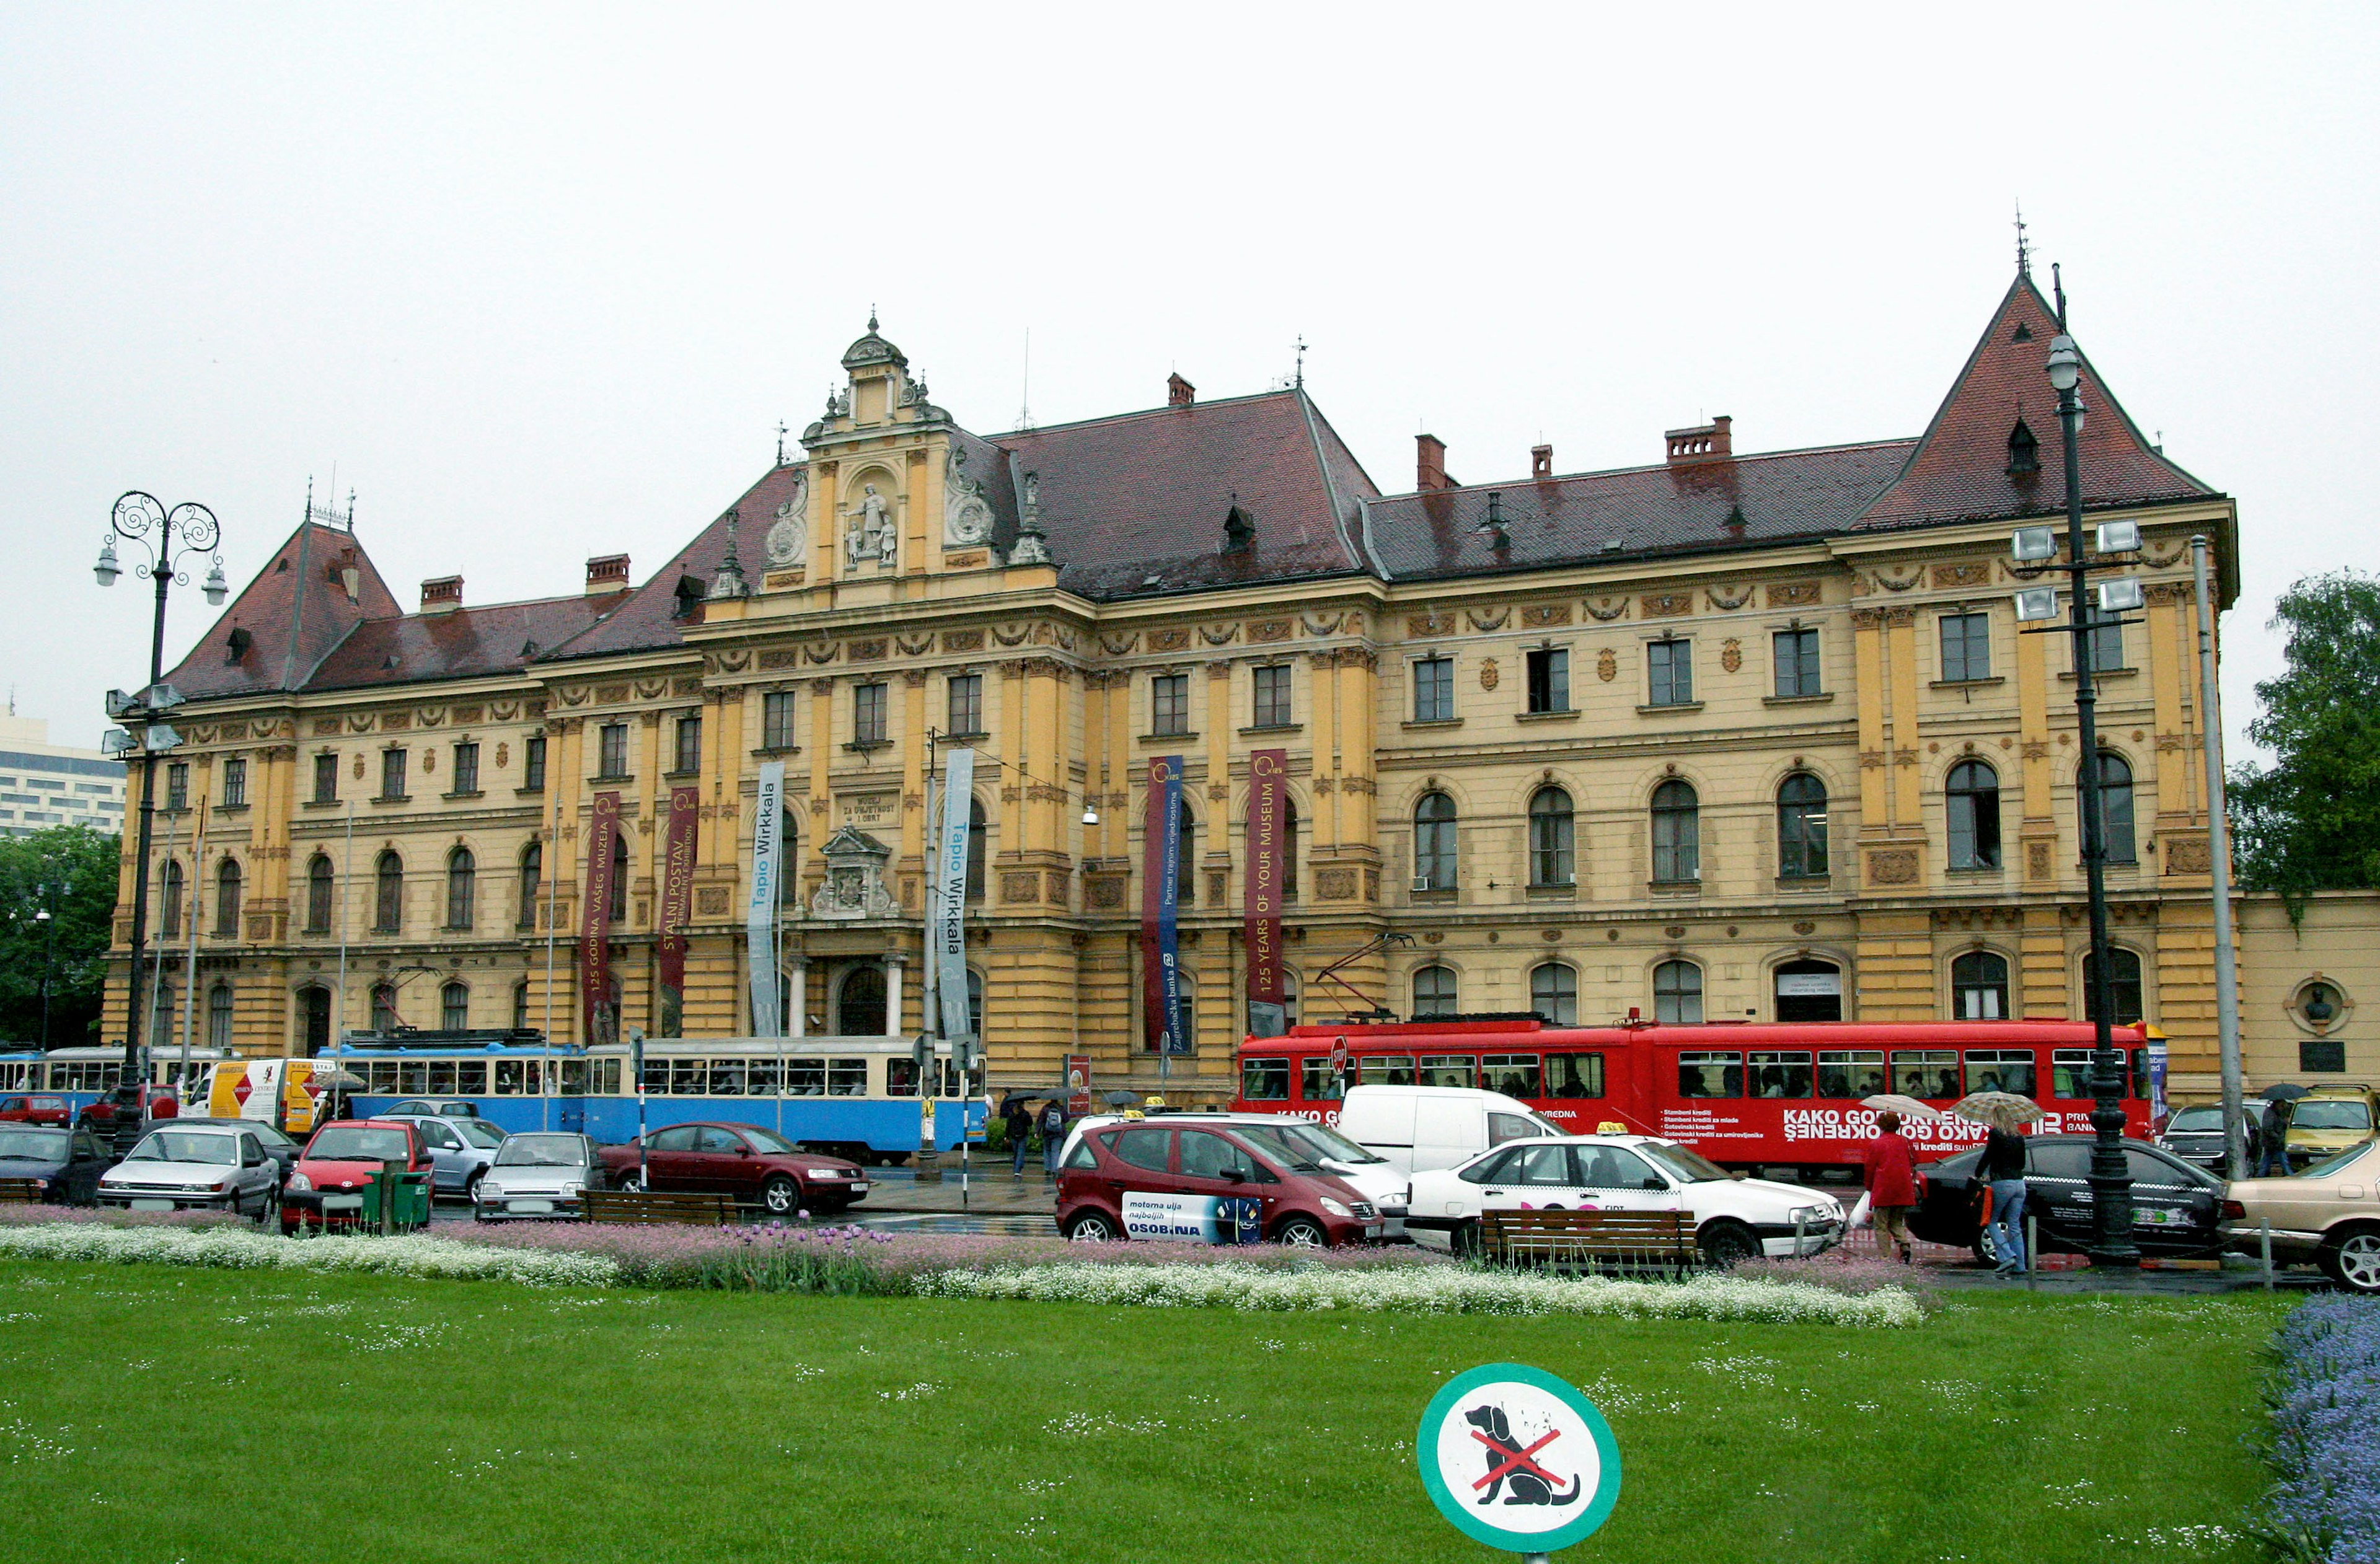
pixel 607 573
pixel 1429 464
pixel 1708 443
pixel 1179 392
pixel 442 594
pixel 1541 462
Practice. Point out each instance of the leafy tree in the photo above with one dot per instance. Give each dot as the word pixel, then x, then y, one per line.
pixel 69 871
pixel 2312 822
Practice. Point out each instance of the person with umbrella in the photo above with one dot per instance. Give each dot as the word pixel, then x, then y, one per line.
pixel 2002 1168
pixel 1017 1120
pixel 1893 1182
pixel 2275 1161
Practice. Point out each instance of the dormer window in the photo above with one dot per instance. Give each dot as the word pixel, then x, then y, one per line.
pixel 1239 530
pixel 690 594
pixel 2024 451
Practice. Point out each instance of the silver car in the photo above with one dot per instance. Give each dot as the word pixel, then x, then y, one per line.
pixel 538 1176
pixel 196 1167
pixel 461 1150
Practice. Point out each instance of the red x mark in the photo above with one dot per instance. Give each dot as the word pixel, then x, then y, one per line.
pixel 1517 1458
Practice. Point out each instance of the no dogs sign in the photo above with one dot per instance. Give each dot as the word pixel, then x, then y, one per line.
pixel 1517 1458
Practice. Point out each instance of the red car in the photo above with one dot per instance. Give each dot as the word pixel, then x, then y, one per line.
pixel 1172 1179
pixel 756 1166
pixel 35 1110
pixel 326 1186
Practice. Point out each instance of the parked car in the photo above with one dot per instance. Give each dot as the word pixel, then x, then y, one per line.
pixel 2329 1119
pixel 67 1161
pixel 2176 1205
pixel 156 1102
pixel 277 1146
pixel 1419 1128
pixel 435 1107
pixel 1317 1147
pixel 757 1166
pixel 1734 1218
pixel 2195 1134
pixel 460 1149
pixel 1173 1178
pixel 2329 1215
pixel 198 1167
pixel 36 1110
pixel 539 1176
pixel 344 1156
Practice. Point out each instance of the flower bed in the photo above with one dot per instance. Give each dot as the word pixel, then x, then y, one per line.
pixel 2325 1433
pixel 244 1248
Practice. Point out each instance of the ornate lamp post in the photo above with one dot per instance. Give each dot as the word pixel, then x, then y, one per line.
pixel 48 962
pixel 167 537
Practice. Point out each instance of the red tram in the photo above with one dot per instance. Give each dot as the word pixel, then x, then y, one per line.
pixel 1745 1094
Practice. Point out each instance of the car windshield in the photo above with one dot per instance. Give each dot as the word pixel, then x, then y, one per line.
pixel 763 1140
pixel 543 1151
pixel 1691 1166
pixel 2338 1161
pixel 1331 1143
pixel 2330 1114
pixel 2196 1119
pixel 478 1132
pixel 186 1146
pixel 358 1143
pixel 40 1145
pixel 1285 1146
pixel 273 1139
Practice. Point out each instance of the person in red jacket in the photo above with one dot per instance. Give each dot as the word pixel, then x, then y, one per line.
pixel 1893 1186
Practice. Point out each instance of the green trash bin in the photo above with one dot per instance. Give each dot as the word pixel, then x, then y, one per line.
pixel 396 1201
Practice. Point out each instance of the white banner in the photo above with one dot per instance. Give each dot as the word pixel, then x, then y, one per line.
pixel 949 895
pixel 760 914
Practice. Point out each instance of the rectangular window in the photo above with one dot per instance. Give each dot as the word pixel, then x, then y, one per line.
pixel 1447 1070
pixel 1710 1075
pixel 612 750
pixel 846 1077
pixel 867 714
pixel 1515 1074
pixel 1386 1070
pixel 1433 686
pixel 177 785
pixel 234 784
pixel 392 773
pixel 777 719
pixel 1272 688
pixel 2000 1070
pixel 1264 1080
pixel 1318 1082
pixel 1670 673
pixel 533 764
pixel 900 1078
pixel 1796 653
pixel 1855 1074
pixel 2069 1075
pixel 689 746
pixel 726 1077
pixel 1549 680
pixel 1169 705
pixel 760 1077
pixel 1780 1075
pixel 1966 646
pixel 966 703
pixel 467 768
pixel 2107 641
pixel 470 1077
pixel 806 1077
pixel 1925 1073
pixel 1573 1076
pixel 688 1077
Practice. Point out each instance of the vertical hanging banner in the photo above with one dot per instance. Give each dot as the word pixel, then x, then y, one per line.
pixel 1160 906
pixel 595 919
pixel 949 896
pixel 1268 1017
pixel 678 905
pixel 761 912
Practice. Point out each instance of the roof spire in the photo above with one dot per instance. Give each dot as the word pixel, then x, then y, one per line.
pixel 2058 284
pixel 871 317
pixel 1300 380
pixel 2024 250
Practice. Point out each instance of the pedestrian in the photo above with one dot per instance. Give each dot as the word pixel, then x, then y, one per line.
pixel 1054 1135
pixel 2002 1170
pixel 2275 1162
pixel 1018 1121
pixel 1892 1186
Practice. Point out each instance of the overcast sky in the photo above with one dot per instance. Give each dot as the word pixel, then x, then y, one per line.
pixel 540 282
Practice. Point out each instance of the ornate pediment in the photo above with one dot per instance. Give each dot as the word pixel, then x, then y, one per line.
pixel 854 888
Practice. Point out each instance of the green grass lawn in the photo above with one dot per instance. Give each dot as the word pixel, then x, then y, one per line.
pixel 151 1414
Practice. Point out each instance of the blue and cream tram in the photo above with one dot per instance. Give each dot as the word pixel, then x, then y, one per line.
pixel 850 1097
pixel 83 1075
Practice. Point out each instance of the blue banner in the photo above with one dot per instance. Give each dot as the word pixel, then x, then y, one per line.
pixel 1161 904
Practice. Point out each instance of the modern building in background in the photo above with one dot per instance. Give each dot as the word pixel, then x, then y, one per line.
pixel 44 785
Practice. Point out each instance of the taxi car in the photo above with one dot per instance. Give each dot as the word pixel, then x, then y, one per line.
pixel 2176 1205
pixel 2329 1119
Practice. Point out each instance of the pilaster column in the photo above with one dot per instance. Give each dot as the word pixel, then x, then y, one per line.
pixel 892 965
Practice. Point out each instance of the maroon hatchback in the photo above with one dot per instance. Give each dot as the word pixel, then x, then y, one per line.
pixel 1174 1178
pixel 757 1166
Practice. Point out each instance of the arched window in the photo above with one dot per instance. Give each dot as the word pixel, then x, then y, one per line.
pixel 975 1002
pixel 219 1017
pixel 520 1005
pixel 977 848
pixel 1553 993
pixel 1809 990
pixel 1802 826
pixel 314 1017
pixel 1185 1013
pixel 1677 833
pixel 619 910
pixel 462 887
pixel 1434 845
pixel 859 1003
pixel 1678 994
pixel 2115 808
pixel 1186 892
pixel 388 894
pixel 532 884
pixel 384 1007
pixel 1435 992
pixel 1973 796
pixel 1288 850
pixel 169 911
pixel 789 859
pixel 1551 860
pixel 318 894
pixel 1979 987
pixel 2123 986
pixel 227 898
pixel 454 1006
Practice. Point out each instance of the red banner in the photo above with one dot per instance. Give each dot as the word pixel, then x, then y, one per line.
pixel 595 921
pixel 1266 864
pixel 678 905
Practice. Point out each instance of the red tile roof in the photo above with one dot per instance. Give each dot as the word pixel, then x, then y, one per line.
pixel 462 643
pixel 294 612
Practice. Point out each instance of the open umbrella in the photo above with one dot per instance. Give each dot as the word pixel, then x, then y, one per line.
pixel 1907 1107
pixel 1122 1099
pixel 2284 1091
pixel 337 1080
pixel 2001 1110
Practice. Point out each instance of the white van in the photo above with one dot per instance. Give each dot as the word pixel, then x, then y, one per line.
pixel 1419 1128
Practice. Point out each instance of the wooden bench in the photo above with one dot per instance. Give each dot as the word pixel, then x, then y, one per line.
pixel 20 1192
pixel 1661 1241
pixel 646 1209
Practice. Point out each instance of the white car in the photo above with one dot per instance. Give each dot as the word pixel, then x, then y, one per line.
pixel 1734 1218
pixel 538 1176
pixel 1301 1144
pixel 196 1167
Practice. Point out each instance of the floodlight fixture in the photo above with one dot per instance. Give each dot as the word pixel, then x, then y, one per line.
pixel 2032 544
pixel 2036 602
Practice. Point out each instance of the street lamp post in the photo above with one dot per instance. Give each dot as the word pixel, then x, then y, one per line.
pixel 49 961
pixel 168 536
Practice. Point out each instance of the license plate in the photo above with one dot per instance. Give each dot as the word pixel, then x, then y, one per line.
pixel 859 1189
pixel 1375 1229
pixel 343 1203
pixel 152 1206
pixel 532 1205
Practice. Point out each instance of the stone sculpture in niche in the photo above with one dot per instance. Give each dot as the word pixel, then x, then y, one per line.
pixel 789 537
pixel 869 534
pixel 854 887
pixel 966 515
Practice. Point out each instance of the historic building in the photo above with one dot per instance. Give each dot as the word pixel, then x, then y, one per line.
pixel 1726 734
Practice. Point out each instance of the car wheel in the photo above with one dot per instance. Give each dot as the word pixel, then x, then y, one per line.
pixel 630 1184
pixel 1091 1227
pixel 781 1197
pixel 1987 1247
pixel 268 1206
pixel 1725 1243
pixel 1301 1232
pixel 471 1186
pixel 2352 1260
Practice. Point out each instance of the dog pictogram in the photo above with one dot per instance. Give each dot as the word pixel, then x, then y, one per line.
pixel 1509 1463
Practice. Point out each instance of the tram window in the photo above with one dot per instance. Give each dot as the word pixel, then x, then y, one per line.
pixel 806 1077
pixel 574 1077
pixel 688 1076
pixel 1710 1075
pixel 611 1087
pixel 383 1078
pixel 508 1077
pixel 1447 1070
pixel 413 1077
pixel 470 1077
pixel 1573 1074
pixel 900 1078
pixel 760 1077
pixel 1515 1074
pixel 536 1086
pixel 846 1077
pixel 1856 1073
pixel 1264 1080
pixel 1386 1069
pixel 1925 1073
pixel 1319 1082
pixel 726 1077
pixel 2000 1070
pixel 657 1076
pixel 442 1077
pixel 1780 1075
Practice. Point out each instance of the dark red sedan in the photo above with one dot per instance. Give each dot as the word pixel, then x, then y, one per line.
pixel 757 1166
pixel 36 1111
